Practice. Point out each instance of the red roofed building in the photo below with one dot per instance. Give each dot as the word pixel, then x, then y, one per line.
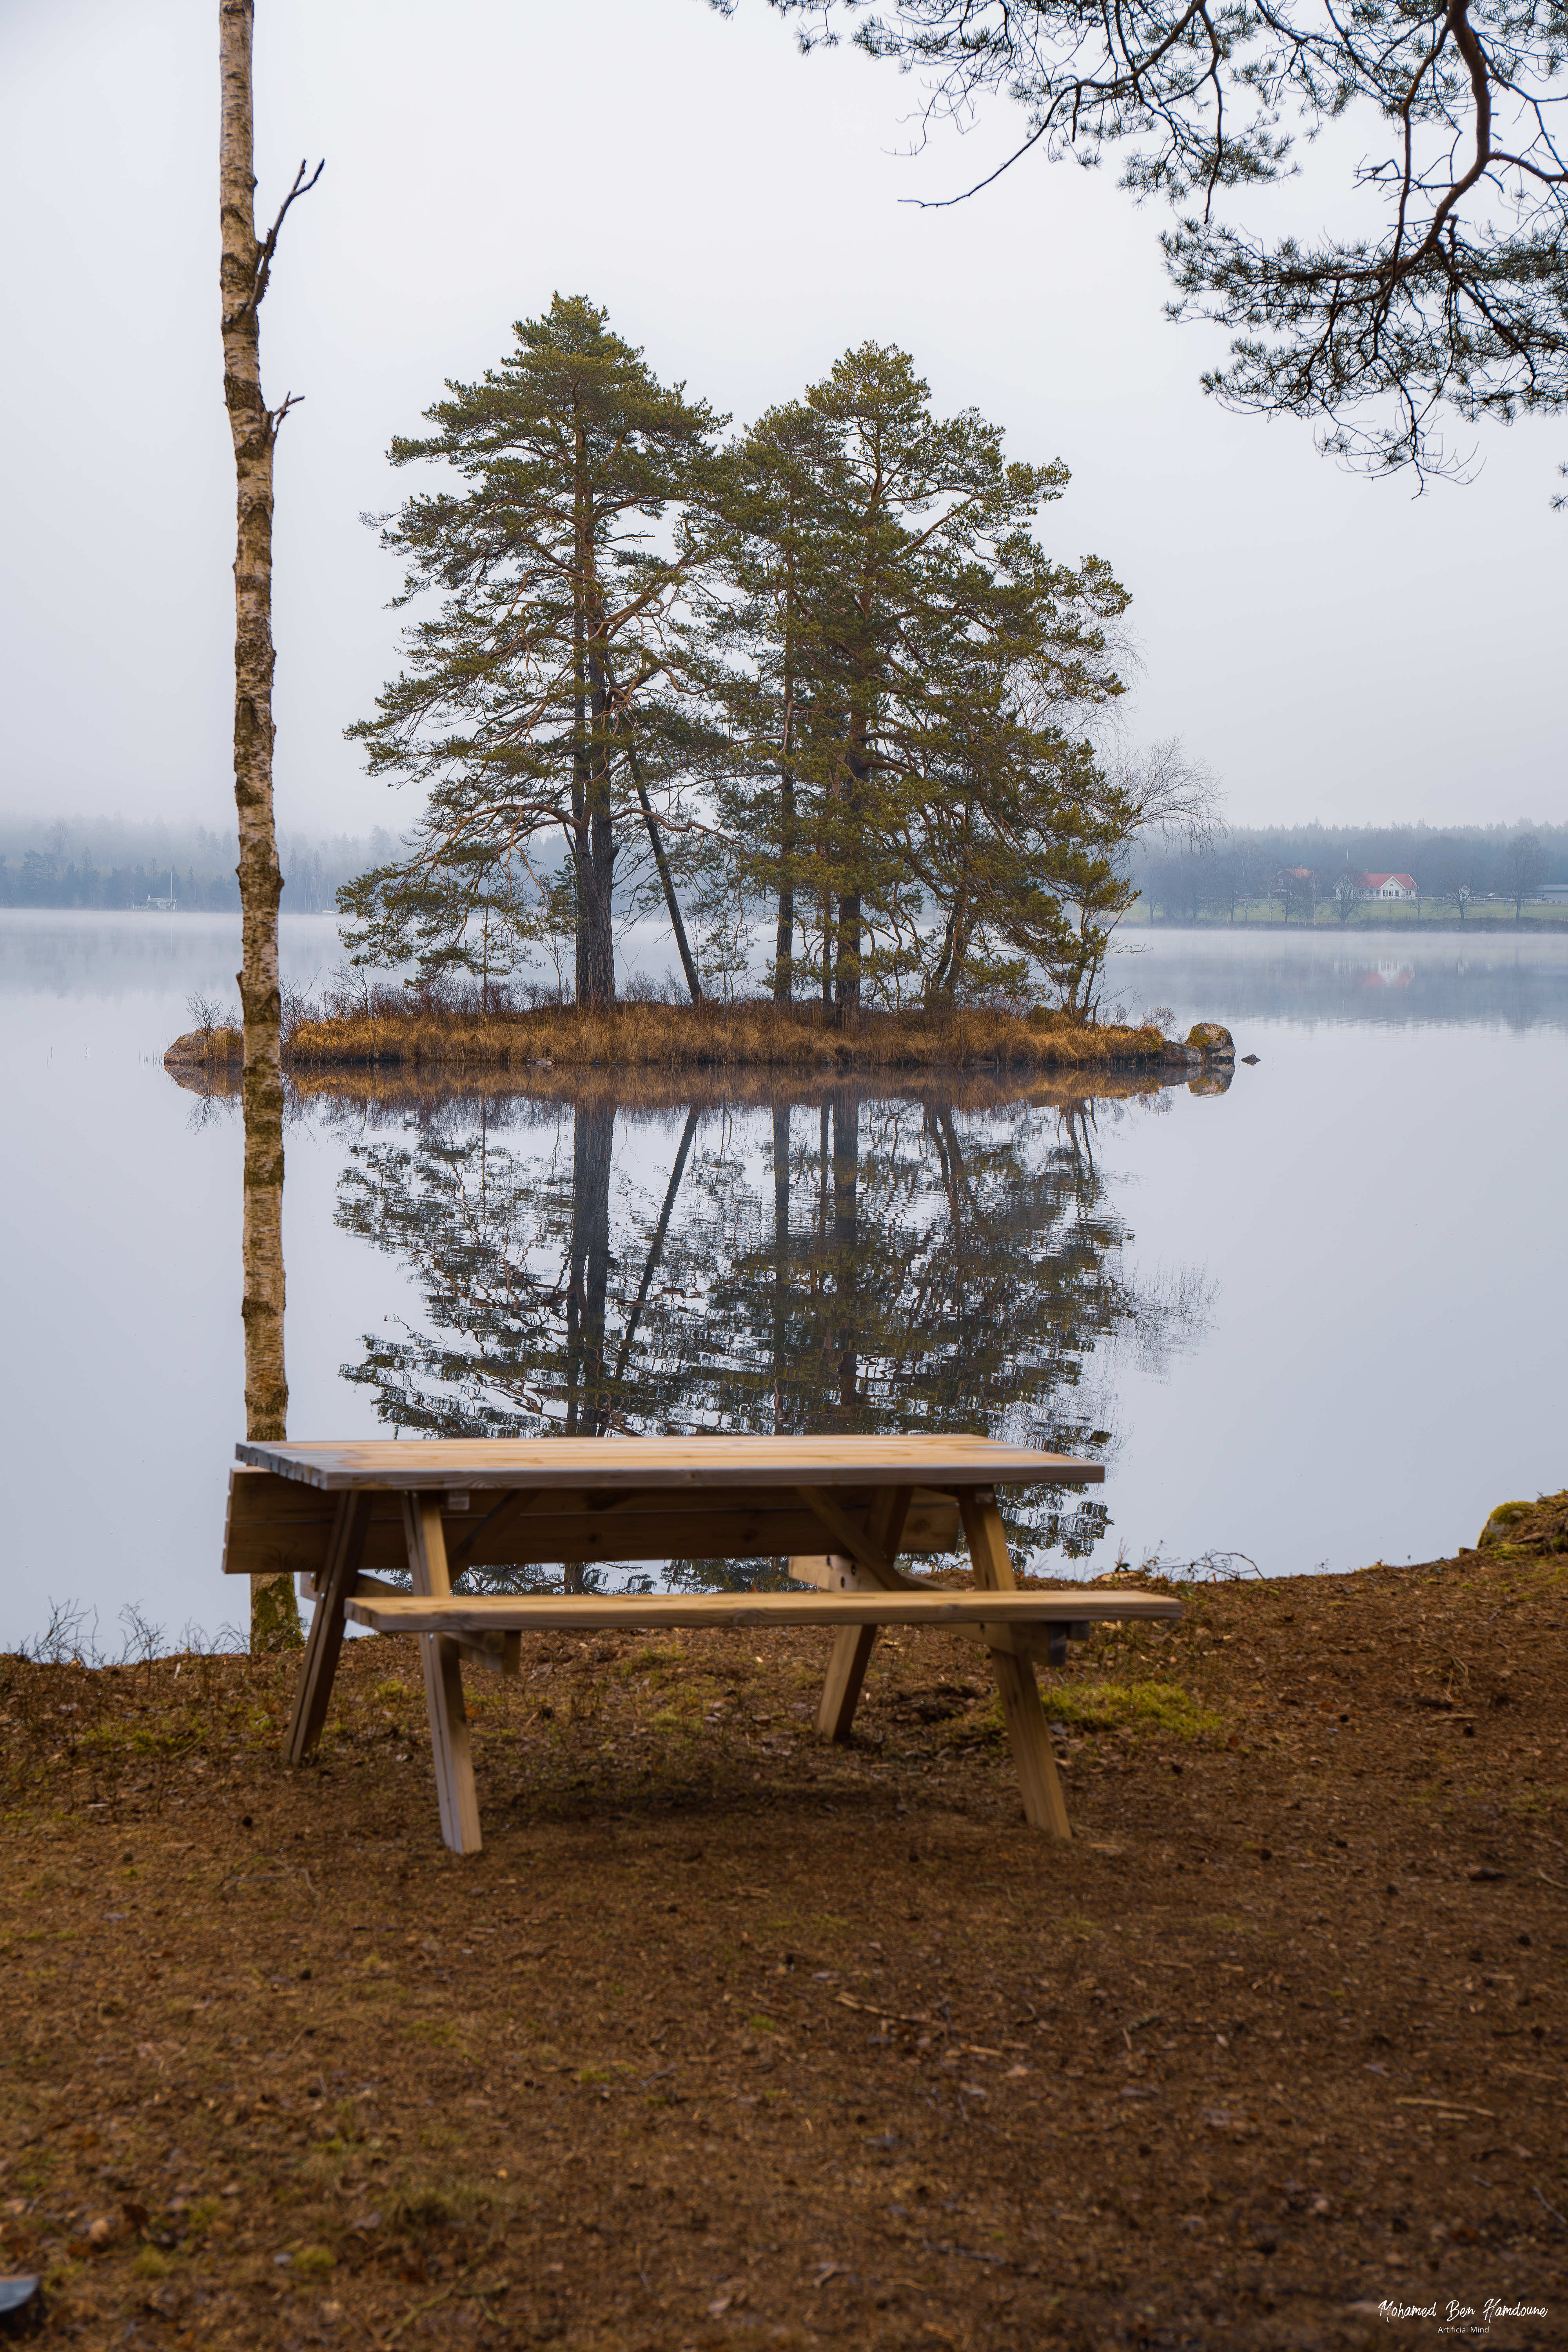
pixel 1388 886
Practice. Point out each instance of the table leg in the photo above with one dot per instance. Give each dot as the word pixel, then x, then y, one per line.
pixel 1045 1807
pixel 852 1648
pixel 325 1642
pixel 449 1746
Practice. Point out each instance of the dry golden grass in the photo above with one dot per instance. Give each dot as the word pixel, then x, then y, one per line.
pixel 676 1036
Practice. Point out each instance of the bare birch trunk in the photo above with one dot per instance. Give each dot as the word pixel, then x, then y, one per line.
pixel 243 282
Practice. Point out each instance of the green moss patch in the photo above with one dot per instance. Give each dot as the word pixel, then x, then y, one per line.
pixel 1516 1528
pixel 1134 1706
pixel 655 1662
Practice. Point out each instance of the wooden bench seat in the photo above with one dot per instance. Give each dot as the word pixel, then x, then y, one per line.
pixel 647 1613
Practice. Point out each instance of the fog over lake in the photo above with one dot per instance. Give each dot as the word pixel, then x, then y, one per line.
pixel 1315 1320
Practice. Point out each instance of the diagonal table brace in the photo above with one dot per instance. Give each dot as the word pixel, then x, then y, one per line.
pixel 874 1552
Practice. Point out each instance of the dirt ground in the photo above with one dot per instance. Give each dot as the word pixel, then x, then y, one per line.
pixel 726 2040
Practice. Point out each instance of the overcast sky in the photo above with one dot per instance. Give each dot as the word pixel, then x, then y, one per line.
pixel 1334 648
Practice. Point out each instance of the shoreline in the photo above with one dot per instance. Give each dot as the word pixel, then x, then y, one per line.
pixel 1389 924
pixel 397 1090
pixel 651 1036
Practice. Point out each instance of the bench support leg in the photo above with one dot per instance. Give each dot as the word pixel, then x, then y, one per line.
pixel 325 1640
pixel 1045 1807
pixel 852 1648
pixel 449 1746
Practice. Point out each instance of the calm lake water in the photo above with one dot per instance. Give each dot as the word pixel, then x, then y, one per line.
pixel 1316 1319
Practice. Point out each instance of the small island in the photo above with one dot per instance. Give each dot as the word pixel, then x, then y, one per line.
pixel 433 1031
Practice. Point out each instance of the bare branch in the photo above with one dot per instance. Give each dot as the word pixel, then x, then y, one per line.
pixel 1171 793
pixel 268 246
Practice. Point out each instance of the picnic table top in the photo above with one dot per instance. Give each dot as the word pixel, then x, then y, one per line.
pixel 644 1463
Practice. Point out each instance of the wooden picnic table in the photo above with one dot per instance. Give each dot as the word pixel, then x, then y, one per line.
pixel 840 1509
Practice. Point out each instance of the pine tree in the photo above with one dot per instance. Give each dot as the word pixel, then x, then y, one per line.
pixel 896 657
pixel 539 700
pixel 762 592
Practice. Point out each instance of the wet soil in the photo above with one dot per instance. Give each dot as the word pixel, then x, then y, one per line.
pixel 726 2040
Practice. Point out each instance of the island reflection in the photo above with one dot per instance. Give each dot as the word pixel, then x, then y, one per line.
pixel 617 1258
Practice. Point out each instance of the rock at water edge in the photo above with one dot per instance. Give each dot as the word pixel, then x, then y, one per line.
pixel 1214 1044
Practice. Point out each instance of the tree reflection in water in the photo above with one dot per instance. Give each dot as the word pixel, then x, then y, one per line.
pixel 866 1261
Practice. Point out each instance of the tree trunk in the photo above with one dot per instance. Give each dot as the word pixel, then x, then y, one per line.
pixel 667 879
pixel 845 1244
pixel 656 1247
pixel 846 987
pixel 580 977
pixel 596 959
pixel 951 1155
pixel 942 988
pixel 667 882
pixel 587 1284
pixel 781 1258
pixel 784 935
pixel 589 1274
pixel 596 952
pixel 242 280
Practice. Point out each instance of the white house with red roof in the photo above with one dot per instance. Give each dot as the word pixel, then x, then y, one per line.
pixel 1388 886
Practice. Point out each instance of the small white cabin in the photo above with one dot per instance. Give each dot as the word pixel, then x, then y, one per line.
pixel 1388 886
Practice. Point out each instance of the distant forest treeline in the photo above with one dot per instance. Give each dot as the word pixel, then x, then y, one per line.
pixel 1181 882
pixel 113 863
